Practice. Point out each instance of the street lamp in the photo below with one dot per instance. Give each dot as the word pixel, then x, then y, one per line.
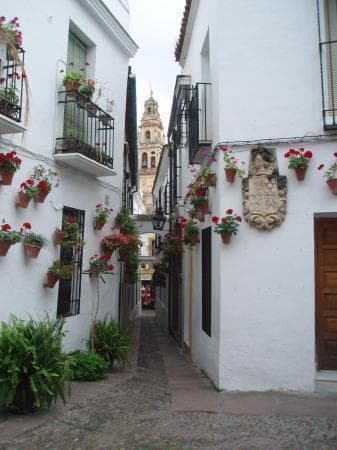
pixel 159 219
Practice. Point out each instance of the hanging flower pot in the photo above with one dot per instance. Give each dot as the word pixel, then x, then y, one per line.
pixel 230 174
pixel 200 215
pixel 332 183
pixel 194 239
pixel 51 280
pixel 107 254
pixel 4 247
pixel 99 224
pixel 6 177
pixel 32 251
pixel 41 196
pixel 226 237
pixel 59 237
pixel 300 173
pixel 22 200
pixel 211 180
pixel 71 86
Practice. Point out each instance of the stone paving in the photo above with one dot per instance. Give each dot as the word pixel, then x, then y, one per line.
pixel 162 402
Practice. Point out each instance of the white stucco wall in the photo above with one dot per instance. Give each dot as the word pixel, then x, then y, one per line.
pixel 45 41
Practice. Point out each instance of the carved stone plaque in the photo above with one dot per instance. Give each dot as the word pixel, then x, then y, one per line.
pixel 264 190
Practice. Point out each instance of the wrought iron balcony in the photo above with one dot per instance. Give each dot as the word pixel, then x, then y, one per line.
pixel 87 141
pixel 11 87
pixel 199 135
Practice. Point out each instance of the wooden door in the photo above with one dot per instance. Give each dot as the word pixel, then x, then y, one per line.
pixel 326 293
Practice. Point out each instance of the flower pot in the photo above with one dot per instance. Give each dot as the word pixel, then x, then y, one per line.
pixel 332 183
pixel 51 280
pixel 230 175
pixel 200 215
pixel 107 253
pixel 194 239
pixel 99 224
pixel 300 173
pixel 93 273
pixel 4 247
pixel 211 180
pixel 41 196
pixel 58 237
pixel 6 177
pixel 226 237
pixel 32 251
pixel 71 87
pixel 22 200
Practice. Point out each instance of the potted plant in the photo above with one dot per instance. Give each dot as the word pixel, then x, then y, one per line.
pixel 197 197
pixel 72 82
pixel 9 164
pixel 172 244
pixel 32 242
pixel 227 226
pixel 232 167
pixel 99 265
pixel 10 95
pixel 101 216
pixel 331 175
pixel 207 177
pixel 10 29
pixel 58 271
pixel 8 237
pixel 113 242
pixel 190 232
pixel 44 180
pixel 88 88
pixel 26 193
pixel 70 235
pixel 299 161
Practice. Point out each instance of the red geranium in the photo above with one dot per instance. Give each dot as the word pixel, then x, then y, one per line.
pixel 298 159
pixel 27 225
pixel 5 227
pixel 215 219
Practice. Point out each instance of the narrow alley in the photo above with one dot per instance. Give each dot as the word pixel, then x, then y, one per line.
pixel 162 402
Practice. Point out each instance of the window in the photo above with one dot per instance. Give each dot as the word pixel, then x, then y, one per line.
pixel 206 268
pixel 147 135
pixel 144 161
pixel 153 162
pixel 69 295
pixel 328 54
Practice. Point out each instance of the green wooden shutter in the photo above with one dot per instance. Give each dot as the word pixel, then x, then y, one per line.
pixel 331 35
pixel 77 54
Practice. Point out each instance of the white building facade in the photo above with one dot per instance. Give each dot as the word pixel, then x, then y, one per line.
pixel 271 304
pixel 83 147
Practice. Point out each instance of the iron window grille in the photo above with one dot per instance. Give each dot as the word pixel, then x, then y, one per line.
pixel 87 129
pixel 11 83
pixel 69 295
pixel 198 122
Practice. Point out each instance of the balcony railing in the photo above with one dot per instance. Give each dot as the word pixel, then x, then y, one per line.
pixel 198 113
pixel 11 84
pixel 87 129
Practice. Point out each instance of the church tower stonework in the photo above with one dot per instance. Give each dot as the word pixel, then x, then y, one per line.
pixel 150 143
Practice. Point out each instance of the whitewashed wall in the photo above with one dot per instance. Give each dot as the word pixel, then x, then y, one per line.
pixel 45 39
pixel 265 75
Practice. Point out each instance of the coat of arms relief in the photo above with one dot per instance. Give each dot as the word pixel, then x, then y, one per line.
pixel 264 190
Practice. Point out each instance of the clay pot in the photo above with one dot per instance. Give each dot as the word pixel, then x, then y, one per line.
pixel 226 237
pixel 201 210
pixel 41 196
pixel 71 87
pixel 98 225
pixel 51 280
pixel 300 173
pixel 32 250
pixel 22 200
pixel 6 177
pixel 230 175
pixel 200 215
pixel 58 237
pixel 211 180
pixel 332 183
pixel 194 239
pixel 4 247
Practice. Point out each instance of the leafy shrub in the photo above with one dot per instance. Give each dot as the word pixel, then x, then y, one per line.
pixel 32 364
pixel 110 340
pixel 86 366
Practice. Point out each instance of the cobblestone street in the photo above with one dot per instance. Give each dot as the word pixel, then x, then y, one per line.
pixel 162 402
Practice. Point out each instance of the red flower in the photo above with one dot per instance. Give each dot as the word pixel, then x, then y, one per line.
pixel 320 167
pixel 72 219
pixel 27 225
pixel 24 75
pixel 238 218
pixel 183 220
pixel 23 185
pixel 5 227
pixel 335 154
pixel 30 182
pixel 224 220
pixel 87 63
pixel 229 211
pixel 215 219
pixel 106 257
pixel 110 267
pixel 43 186
pixel 99 205
pixel 286 155
pixel 308 154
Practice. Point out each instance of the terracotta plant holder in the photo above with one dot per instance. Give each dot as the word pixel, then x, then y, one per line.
pixel 32 251
pixel 41 196
pixel 22 200
pixel 226 238
pixel 230 175
pixel 300 173
pixel 211 180
pixel 58 237
pixel 98 225
pixel 4 247
pixel 72 86
pixel 51 281
pixel 332 183
pixel 194 239
pixel 6 177
pixel 201 210
pixel 200 215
